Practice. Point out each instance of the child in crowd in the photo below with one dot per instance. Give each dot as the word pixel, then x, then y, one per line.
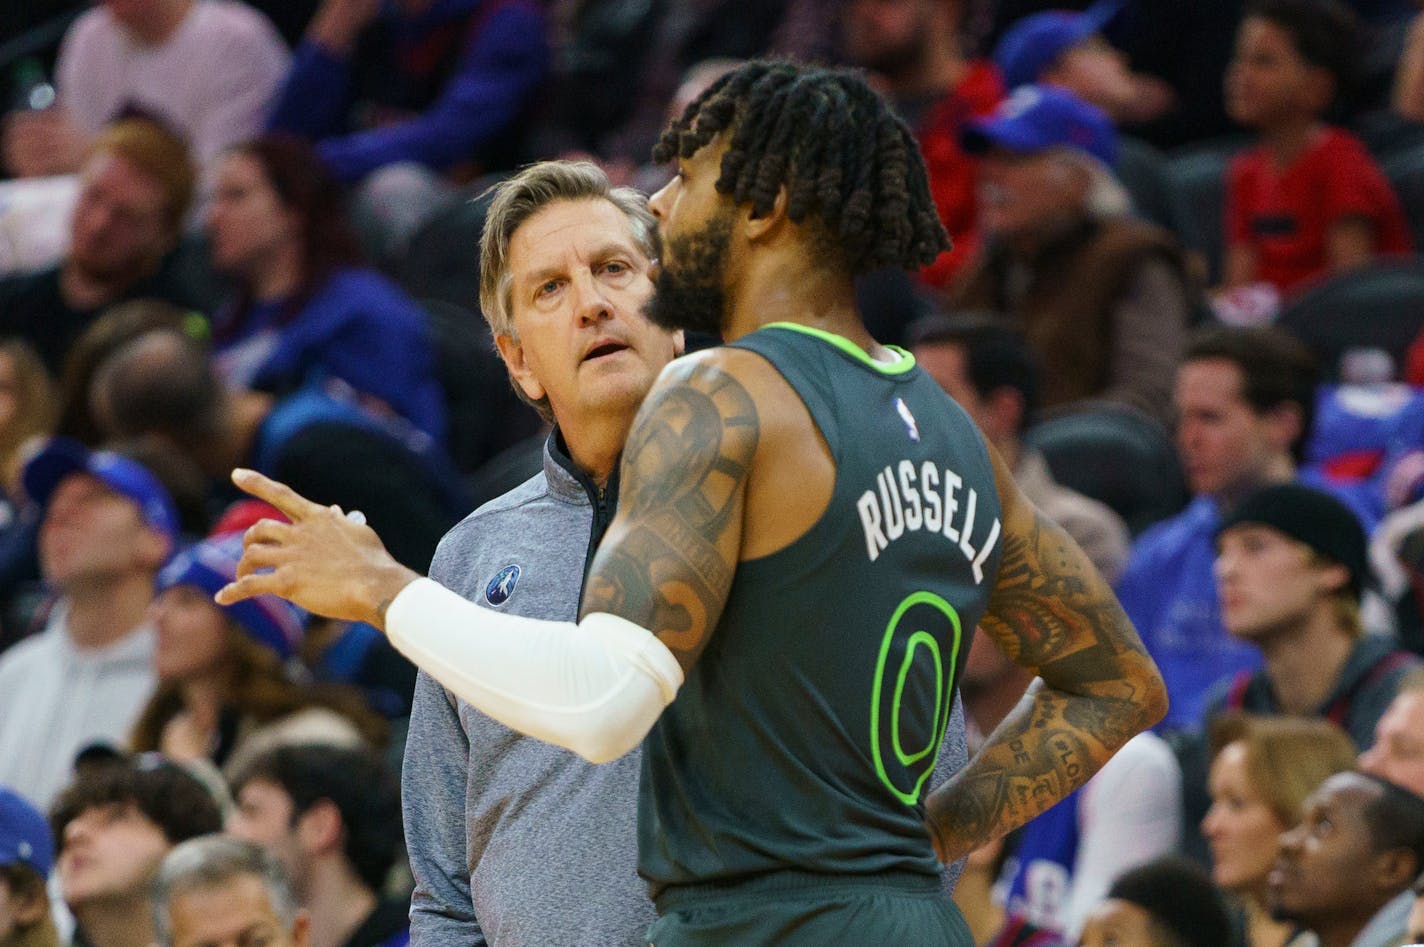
pixel 26 855
pixel 1307 200
pixel 1166 902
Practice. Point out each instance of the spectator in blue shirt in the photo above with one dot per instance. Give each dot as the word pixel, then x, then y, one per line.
pixel 306 313
pixel 1291 564
pixel 418 90
pixel 1244 400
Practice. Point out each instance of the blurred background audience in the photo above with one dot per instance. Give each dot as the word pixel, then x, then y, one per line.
pixel 1103 297
pixel 222 694
pixel 26 856
pixel 219 890
pixel 112 827
pixel 331 817
pixel 305 311
pixel 1262 770
pixel 1346 871
pixel 1165 902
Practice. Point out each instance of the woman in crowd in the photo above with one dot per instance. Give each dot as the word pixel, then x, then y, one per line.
pixel 26 407
pixel 27 412
pixel 305 310
pixel 224 693
pixel 1261 771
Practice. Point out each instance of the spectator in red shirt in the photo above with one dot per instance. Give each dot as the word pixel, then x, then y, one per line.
pixel 1307 200
pixel 914 48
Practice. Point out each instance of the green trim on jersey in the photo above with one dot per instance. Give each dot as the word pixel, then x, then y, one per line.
pixel 906 362
pixel 943 701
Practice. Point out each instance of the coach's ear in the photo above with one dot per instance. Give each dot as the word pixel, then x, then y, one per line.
pixel 760 225
pixel 512 351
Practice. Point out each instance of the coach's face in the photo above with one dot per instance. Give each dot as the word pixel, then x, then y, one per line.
pixel 579 285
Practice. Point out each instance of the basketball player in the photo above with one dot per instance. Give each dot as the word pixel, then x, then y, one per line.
pixel 809 532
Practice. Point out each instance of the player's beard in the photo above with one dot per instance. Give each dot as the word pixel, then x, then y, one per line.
pixel 689 294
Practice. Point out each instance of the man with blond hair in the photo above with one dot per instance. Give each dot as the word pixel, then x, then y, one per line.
pixel 135 188
pixel 1290 566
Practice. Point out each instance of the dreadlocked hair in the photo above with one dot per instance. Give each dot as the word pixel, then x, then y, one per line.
pixel 832 142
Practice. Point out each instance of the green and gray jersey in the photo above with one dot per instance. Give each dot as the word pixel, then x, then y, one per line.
pixel 806 735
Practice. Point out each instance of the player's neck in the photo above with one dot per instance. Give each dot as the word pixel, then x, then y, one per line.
pixel 786 287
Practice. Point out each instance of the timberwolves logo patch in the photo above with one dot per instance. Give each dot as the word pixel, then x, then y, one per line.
pixel 501 587
pixel 908 418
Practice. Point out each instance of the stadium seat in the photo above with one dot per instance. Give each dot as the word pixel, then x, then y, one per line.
pixel 1405 170
pixel 507 470
pixel 1387 135
pixel 1114 454
pixel 1142 169
pixel 1379 307
pixel 1197 178
pixel 442 260
pixel 485 415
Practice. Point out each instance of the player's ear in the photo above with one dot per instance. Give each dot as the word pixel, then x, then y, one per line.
pixel 760 224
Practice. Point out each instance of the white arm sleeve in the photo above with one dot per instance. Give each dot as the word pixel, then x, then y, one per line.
pixel 595 688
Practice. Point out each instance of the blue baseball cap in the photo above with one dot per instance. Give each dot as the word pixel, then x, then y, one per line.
pixel 1036 118
pixel 211 564
pixel 1033 43
pixel 62 457
pixel 24 834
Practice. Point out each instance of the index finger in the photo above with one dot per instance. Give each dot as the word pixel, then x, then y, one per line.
pixel 264 583
pixel 290 502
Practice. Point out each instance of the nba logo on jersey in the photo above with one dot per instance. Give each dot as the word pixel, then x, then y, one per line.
pixel 908 418
pixel 501 586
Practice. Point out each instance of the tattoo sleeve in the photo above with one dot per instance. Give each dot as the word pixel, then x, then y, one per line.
pixel 668 559
pixel 1053 613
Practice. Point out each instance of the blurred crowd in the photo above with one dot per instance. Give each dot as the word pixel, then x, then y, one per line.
pixel 1183 302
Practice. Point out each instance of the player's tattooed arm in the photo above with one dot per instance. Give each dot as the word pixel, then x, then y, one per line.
pixel 1097 688
pixel 668 558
